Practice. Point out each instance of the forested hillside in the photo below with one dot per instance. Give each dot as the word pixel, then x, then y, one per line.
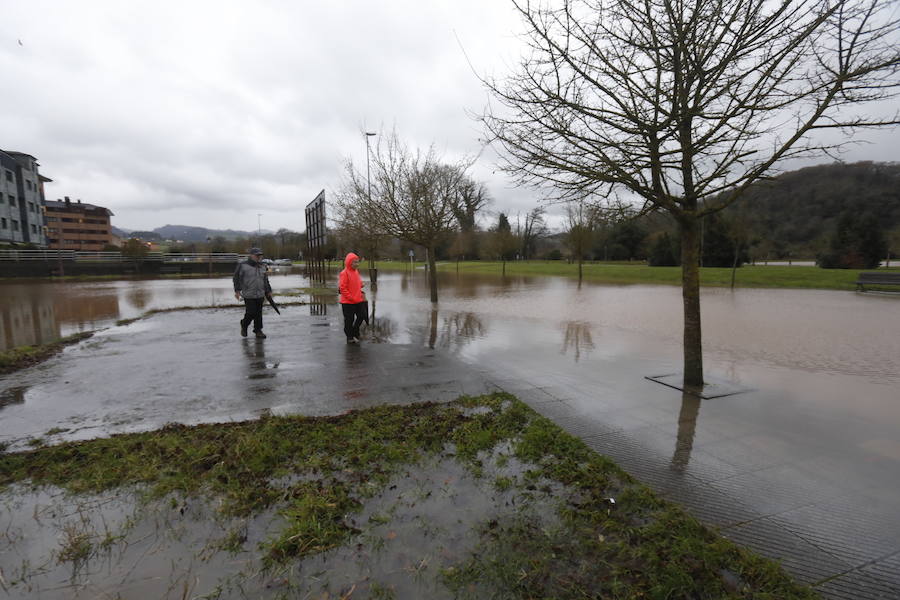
pixel 799 210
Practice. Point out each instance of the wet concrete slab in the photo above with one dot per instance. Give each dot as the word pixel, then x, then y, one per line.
pixel 811 491
pixel 193 366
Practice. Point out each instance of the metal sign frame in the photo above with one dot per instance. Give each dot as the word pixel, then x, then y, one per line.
pixel 316 238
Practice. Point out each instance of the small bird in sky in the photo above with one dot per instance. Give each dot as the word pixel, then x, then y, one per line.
pixel 20 43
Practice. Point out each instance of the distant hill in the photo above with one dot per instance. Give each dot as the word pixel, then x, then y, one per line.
pixel 147 236
pixel 188 233
pixel 800 209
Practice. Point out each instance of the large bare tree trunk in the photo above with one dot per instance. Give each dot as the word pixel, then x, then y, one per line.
pixel 690 294
pixel 432 275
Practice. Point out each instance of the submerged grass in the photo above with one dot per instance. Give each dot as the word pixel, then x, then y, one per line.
pixel 318 472
pixel 26 356
pixel 157 311
pixel 762 276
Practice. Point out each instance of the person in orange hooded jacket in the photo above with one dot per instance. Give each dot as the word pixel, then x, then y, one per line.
pixel 353 299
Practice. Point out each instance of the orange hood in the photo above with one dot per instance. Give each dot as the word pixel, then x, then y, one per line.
pixel 350 258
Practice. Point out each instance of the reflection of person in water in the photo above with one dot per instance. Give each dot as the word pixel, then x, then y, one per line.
pixel 353 299
pixel 255 354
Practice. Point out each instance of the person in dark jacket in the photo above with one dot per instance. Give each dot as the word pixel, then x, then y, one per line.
pixel 252 284
pixel 353 299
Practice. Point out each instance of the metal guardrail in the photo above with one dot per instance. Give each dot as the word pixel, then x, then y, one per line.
pixel 23 255
pixel 201 257
pixel 117 257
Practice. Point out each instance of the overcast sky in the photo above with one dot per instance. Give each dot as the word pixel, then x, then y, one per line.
pixel 210 113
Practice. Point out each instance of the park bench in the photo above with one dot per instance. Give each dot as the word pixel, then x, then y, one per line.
pixel 877 280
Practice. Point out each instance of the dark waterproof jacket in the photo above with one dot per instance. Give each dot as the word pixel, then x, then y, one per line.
pixel 250 279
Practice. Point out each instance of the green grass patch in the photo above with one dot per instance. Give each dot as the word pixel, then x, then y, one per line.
pixel 157 311
pixel 760 276
pixel 26 356
pixel 309 291
pixel 610 536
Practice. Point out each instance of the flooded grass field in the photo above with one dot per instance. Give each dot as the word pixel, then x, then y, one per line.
pixel 473 499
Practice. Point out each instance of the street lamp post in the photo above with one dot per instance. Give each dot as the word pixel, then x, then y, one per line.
pixel 373 273
pixel 368 181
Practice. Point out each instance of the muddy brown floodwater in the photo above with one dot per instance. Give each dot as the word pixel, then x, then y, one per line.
pixel 803 466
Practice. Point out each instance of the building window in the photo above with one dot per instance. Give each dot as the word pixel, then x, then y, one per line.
pixel 52 219
pixel 12 200
pixel 31 206
pixel 9 176
pixel 33 229
pixel 15 225
pixel 28 184
pixel 2 223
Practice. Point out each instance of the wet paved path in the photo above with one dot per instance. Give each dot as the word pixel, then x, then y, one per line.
pixel 745 464
pixel 192 366
pixel 814 488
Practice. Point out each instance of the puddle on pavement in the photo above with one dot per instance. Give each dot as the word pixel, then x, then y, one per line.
pixel 430 517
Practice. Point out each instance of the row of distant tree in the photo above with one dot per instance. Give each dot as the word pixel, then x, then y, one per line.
pixel 856 237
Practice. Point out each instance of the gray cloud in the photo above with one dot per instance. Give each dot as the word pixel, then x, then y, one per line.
pixel 207 113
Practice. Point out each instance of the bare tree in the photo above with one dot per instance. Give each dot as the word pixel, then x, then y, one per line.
pixel 501 243
pixel 360 230
pixel 534 229
pixel 580 219
pixel 413 196
pixel 685 104
pixel 471 198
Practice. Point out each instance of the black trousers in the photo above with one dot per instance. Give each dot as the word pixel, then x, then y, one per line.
pixel 354 315
pixel 253 312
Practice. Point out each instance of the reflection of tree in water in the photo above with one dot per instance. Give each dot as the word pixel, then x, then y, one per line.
pixel 578 338
pixel 84 309
pixel 432 337
pixel 28 323
pixel 461 328
pixel 687 424
pixel 318 305
pixel 381 329
pixel 139 297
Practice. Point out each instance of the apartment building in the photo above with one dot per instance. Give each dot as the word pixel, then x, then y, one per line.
pixel 77 225
pixel 21 198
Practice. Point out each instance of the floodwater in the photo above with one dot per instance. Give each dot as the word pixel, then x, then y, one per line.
pixel 428 518
pixel 43 311
pixel 804 466
pixel 831 340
